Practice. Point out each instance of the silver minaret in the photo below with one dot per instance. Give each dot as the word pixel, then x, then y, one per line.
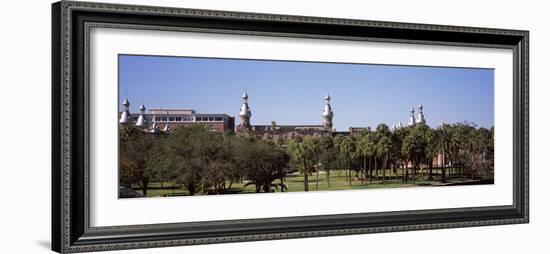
pixel 141 122
pixel 420 118
pixel 327 113
pixel 125 116
pixel 245 113
pixel 412 121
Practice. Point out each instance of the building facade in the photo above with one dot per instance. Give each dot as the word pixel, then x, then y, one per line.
pixel 275 131
pixel 160 120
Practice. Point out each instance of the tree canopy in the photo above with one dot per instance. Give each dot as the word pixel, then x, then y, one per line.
pixel 207 162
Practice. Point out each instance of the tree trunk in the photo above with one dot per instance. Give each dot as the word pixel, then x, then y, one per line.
pixel 349 172
pixel 364 169
pixel 384 169
pixel 370 172
pixel 396 170
pixel 413 171
pixel 306 179
pixel 191 189
pixel 145 185
pixel 327 170
pixel 430 172
pixel 266 188
pixel 443 168
pixel 376 167
pixel 328 177
pixel 317 180
pixel 406 178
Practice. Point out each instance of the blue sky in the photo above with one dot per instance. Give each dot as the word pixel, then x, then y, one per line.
pixel 292 92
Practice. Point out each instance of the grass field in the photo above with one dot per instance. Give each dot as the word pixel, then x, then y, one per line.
pixel 295 183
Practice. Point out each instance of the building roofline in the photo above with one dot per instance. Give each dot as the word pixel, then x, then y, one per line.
pixel 172 109
pixel 290 125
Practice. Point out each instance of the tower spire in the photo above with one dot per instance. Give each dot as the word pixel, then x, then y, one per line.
pixel 327 113
pixel 141 122
pixel 125 115
pixel 245 113
pixel 420 118
pixel 412 121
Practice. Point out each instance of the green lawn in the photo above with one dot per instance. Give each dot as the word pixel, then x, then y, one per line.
pixel 295 183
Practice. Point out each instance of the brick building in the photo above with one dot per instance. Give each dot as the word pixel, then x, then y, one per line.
pixel 274 131
pixel 165 120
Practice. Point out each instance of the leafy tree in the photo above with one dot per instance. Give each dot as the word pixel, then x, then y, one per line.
pixel 135 152
pixel 160 164
pixel 262 164
pixel 186 154
pixel 210 162
pixel 304 152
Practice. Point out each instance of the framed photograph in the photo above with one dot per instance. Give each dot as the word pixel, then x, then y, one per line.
pixel 182 126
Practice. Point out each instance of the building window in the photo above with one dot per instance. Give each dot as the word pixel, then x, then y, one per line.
pixel 211 119
pixel 199 119
pixel 171 119
pixel 219 119
pixel 178 119
pixel 164 119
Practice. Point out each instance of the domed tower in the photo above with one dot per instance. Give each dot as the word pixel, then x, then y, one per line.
pixel 125 116
pixel 420 118
pixel 141 122
pixel 245 113
pixel 412 121
pixel 327 114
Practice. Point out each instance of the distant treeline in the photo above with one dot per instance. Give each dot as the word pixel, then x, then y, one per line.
pixel 203 161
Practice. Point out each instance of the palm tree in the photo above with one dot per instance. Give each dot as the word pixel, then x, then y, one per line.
pixel 383 144
pixel 327 143
pixel 382 151
pixel 365 147
pixel 413 148
pixel 300 153
pixel 431 151
pixel 398 136
pixel 315 147
pixel 375 136
pixel 338 141
pixel 445 144
pixel 347 147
